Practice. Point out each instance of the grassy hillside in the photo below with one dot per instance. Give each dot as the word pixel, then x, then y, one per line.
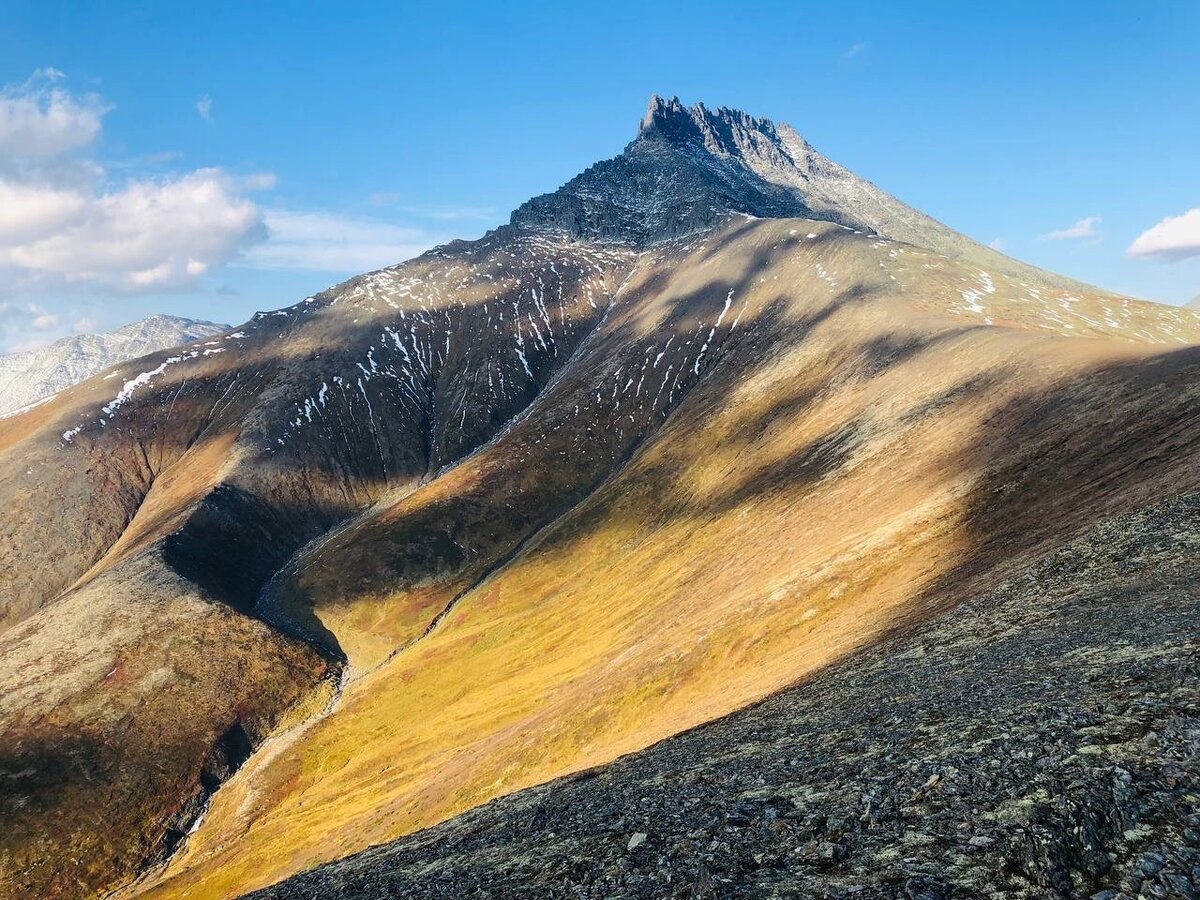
pixel 928 765
pixel 867 433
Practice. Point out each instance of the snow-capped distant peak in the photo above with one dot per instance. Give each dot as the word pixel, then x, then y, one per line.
pixel 34 375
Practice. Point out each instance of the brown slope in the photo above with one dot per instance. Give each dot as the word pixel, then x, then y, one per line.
pixel 122 707
pixel 836 404
pixel 183 482
pixel 821 485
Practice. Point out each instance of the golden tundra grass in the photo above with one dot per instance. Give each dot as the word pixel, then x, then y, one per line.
pixel 790 511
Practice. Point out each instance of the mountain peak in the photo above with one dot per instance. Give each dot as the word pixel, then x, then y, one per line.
pixel 690 168
pixel 720 131
pixel 658 109
pixel 33 375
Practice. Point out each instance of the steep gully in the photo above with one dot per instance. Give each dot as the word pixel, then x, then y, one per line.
pixel 342 672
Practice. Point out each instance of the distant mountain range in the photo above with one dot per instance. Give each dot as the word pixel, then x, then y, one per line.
pixel 716 422
pixel 34 375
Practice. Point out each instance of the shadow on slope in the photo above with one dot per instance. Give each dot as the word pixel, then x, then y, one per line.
pixel 600 635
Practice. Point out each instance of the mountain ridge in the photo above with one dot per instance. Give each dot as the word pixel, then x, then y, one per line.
pixel 690 167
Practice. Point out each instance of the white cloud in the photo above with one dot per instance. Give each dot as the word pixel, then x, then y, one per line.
pixel 27 326
pixel 30 315
pixel 1174 238
pixel 147 234
pixel 39 121
pixel 71 226
pixel 997 244
pixel 329 242
pixel 30 212
pixel 44 321
pixel 62 222
pixel 1084 228
pixel 204 107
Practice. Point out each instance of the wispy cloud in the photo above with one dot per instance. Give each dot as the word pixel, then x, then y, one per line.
pixel 30 315
pixel 439 212
pixel 1082 230
pixel 259 181
pixel 997 244
pixel 1172 239
pixel 328 242
pixel 855 51
pixel 39 121
pixel 27 326
pixel 204 106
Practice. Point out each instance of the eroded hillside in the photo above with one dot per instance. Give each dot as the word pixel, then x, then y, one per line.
pixel 521 505
pixel 181 482
pixel 783 455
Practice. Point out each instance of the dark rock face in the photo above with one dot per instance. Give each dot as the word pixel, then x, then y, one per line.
pixel 690 168
pixel 686 171
pixel 1039 741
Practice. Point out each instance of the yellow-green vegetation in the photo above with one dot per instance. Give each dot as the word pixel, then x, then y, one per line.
pixel 878 420
pixel 524 504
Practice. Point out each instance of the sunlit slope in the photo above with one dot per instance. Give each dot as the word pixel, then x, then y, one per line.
pixel 147 507
pixel 922 764
pixel 851 433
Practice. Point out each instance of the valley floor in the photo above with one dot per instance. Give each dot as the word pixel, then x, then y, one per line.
pixel 1042 740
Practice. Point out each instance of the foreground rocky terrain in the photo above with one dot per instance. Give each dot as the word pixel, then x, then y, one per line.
pixel 33 375
pixel 714 417
pixel 1040 740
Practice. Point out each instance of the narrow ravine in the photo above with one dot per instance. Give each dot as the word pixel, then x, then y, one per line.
pixel 241 780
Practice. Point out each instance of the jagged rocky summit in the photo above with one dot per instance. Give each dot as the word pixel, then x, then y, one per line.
pixel 689 168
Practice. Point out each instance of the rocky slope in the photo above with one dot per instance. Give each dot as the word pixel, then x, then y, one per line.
pixel 671 441
pixel 32 376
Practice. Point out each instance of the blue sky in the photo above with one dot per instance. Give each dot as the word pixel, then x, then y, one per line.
pixel 212 159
